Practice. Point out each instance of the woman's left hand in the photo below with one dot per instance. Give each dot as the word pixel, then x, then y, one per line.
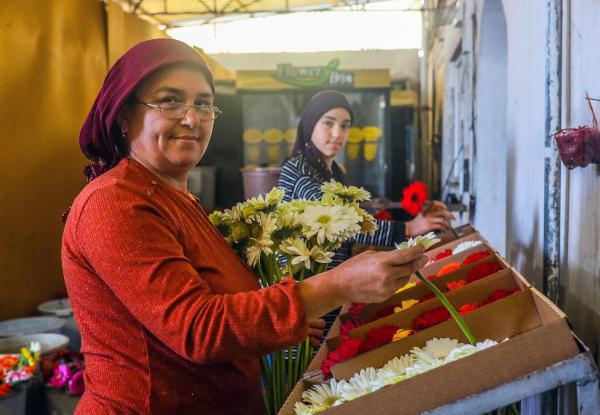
pixel 315 331
pixel 437 209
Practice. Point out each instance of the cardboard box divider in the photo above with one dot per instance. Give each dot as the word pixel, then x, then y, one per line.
pixel 476 236
pixel 368 311
pixel 434 267
pixel 476 292
pixel 539 336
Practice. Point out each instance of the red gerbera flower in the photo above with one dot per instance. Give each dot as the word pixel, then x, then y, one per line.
pixel 383 214
pixel 345 351
pixel 455 285
pixel 414 197
pixel 346 327
pixel 483 270
pixel 443 254
pixel 355 308
pixel 430 318
pixel 467 308
pixel 384 312
pixel 476 257
pixel 378 337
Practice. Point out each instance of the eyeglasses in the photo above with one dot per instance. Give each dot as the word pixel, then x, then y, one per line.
pixel 177 110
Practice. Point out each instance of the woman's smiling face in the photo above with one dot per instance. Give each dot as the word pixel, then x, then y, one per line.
pixel 169 146
pixel 330 134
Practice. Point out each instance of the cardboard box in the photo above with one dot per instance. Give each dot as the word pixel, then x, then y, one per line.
pixel 476 292
pixel 368 311
pixel 539 337
pixel 453 244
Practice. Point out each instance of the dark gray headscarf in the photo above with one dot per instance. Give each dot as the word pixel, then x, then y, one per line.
pixel 319 104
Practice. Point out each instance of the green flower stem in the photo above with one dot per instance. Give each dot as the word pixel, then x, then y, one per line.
pixel 290 369
pixel 461 323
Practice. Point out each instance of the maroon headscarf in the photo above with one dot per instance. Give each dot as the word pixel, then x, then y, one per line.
pixel 318 105
pixel 100 136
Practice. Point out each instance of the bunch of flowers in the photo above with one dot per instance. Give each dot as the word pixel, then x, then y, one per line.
pixel 64 370
pixel 435 353
pixel 17 369
pixel 297 238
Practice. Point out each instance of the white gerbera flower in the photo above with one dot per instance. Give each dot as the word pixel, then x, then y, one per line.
pixel 460 352
pixel 426 241
pixel 323 395
pixel 440 348
pixel 329 222
pixel 423 361
pixel 399 364
pixel 361 384
pixel 463 246
pixel 302 409
pixel 486 344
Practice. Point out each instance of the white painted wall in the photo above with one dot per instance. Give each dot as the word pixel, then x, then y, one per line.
pixel 581 252
pixel 524 146
pixel 403 63
pixel 490 165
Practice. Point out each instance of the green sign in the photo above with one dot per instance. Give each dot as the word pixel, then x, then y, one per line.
pixel 314 75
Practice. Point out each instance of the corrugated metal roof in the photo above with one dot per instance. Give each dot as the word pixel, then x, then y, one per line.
pixel 173 13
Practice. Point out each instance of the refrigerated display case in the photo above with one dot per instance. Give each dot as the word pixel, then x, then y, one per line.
pixel 272 104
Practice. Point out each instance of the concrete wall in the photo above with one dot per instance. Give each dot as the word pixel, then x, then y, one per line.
pixel 402 63
pixel 522 143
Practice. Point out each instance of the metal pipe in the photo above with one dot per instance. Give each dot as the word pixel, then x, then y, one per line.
pixel 553 106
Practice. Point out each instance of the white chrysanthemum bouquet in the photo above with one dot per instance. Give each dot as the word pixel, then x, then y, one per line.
pixel 296 238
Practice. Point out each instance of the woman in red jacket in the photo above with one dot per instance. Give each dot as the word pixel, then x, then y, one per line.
pixel 172 321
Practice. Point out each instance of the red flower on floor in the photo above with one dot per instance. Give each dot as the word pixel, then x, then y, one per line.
pixel 383 214
pixel 384 312
pixel 455 285
pixel 345 351
pixel 430 318
pixel 378 337
pixel 414 197
pixel 346 327
pixel 355 308
pixel 482 270
pixel 444 254
pixel 476 257
pixel 468 308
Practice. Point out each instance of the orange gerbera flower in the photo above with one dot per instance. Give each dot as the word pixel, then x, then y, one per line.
pixel 448 268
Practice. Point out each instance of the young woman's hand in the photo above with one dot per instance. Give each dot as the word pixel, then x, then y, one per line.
pixel 433 218
pixel 315 331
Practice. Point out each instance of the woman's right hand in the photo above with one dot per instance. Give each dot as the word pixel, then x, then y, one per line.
pixel 370 277
pixel 374 276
